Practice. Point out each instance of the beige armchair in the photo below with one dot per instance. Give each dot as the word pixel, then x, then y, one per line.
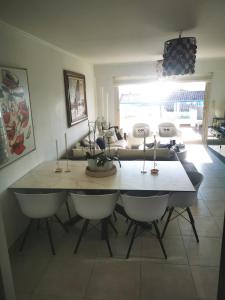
pixel 136 137
pixel 168 129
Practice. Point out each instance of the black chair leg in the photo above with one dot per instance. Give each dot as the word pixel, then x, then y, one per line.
pixel 105 237
pixel 113 227
pixel 50 236
pixel 132 241
pixel 84 228
pixel 25 235
pixel 68 209
pixel 192 223
pixel 159 238
pixel 115 216
pixel 61 223
pixel 129 227
pixel 167 222
pixel 166 210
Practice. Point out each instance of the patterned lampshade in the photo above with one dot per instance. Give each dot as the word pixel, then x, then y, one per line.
pixel 179 56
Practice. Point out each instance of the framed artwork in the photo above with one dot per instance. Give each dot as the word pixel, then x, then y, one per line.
pixel 76 102
pixel 16 126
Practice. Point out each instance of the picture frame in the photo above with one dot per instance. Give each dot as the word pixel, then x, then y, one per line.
pixel 16 124
pixel 75 94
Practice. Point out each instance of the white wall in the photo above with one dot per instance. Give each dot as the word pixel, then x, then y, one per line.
pixel 45 65
pixel 105 74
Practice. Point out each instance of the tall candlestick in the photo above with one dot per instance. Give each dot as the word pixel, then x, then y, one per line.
pixel 154 157
pixel 57 150
pixel 58 169
pixel 67 161
pixel 102 101
pixel 107 107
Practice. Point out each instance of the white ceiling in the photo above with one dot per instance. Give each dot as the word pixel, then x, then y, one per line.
pixel 103 31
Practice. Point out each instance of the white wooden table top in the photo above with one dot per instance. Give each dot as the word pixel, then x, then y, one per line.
pixel 171 177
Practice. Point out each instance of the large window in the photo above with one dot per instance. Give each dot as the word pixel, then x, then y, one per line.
pixel 179 102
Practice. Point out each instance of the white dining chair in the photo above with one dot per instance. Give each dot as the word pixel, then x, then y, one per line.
pixel 95 205
pixel 184 200
pixel 41 205
pixel 144 209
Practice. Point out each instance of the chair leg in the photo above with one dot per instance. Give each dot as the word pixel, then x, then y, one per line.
pixel 129 227
pixel 50 236
pixel 132 241
pixel 113 227
pixel 166 210
pixel 192 223
pixel 167 222
pixel 159 238
pixel 68 209
pixel 61 223
pixel 115 216
pixel 25 235
pixel 105 237
pixel 84 228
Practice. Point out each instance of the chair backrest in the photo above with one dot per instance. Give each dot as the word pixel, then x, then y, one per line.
pixel 167 129
pixel 187 199
pixel 40 205
pixel 94 206
pixel 145 209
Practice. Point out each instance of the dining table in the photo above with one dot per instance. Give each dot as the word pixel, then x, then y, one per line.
pixel 171 177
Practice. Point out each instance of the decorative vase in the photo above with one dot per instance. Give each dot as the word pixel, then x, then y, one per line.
pixel 92 165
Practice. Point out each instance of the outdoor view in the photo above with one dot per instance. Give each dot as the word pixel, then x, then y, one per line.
pixel 153 103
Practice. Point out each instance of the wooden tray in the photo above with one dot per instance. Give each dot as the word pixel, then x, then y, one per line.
pixel 101 173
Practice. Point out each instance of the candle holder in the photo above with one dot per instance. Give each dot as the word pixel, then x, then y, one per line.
pixel 154 171
pixel 57 169
pixel 67 158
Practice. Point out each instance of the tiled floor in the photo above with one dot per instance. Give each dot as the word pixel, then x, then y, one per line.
pixel 189 273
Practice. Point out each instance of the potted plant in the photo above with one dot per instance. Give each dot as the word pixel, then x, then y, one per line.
pixel 104 159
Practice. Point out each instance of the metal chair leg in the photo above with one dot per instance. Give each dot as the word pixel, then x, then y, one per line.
pixel 159 238
pixel 166 210
pixel 25 235
pixel 115 216
pixel 61 223
pixel 167 222
pixel 192 223
pixel 50 236
pixel 129 227
pixel 84 228
pixel 68 209
pixel 132 241
pixel 106 238
pixel 113 227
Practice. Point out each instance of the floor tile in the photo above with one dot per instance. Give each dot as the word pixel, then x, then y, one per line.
pixel 161 282
pixel 174 247
pixel 65 278
pixel 219 221
pixel 216 208
pixel 204 253
pixel 205 226
pixel 213 194
pixel 173 228
pixel 27 272
pixel 115 280
pixel 206 280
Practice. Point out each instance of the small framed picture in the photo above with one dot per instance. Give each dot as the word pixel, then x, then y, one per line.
pixel 75 93
pixel 16 126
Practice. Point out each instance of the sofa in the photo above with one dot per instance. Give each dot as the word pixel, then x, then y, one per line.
pixel 162 154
